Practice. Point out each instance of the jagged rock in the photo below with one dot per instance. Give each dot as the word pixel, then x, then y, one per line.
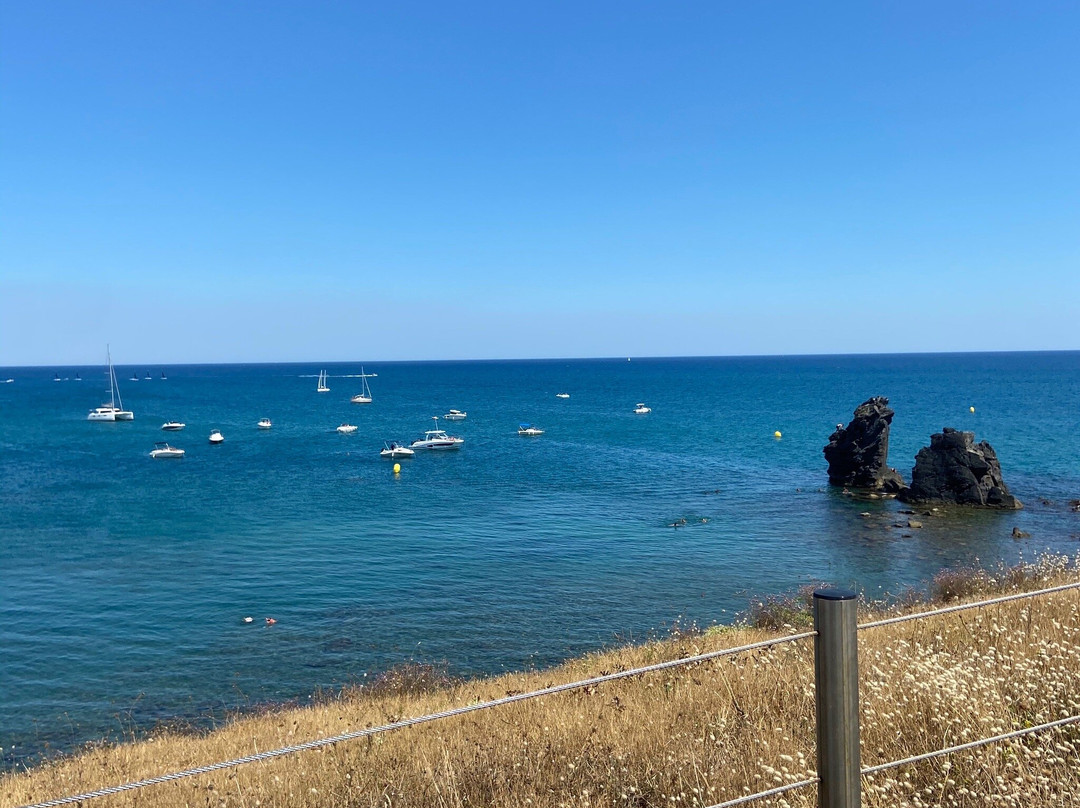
pixel 1020 534
pixel 858 453
pixel 914 524
pixel 955 469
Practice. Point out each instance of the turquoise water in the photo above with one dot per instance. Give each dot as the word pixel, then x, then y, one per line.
pixel 124 580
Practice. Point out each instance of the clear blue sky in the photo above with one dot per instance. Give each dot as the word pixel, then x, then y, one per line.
pixel 262 181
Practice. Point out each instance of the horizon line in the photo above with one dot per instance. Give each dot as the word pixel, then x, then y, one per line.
pixel 560 358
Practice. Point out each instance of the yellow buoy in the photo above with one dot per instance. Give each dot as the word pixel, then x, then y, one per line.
pixel 777 434
pixel 972 409
pixel 397 468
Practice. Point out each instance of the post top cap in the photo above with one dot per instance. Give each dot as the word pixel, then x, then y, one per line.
pixel 833 593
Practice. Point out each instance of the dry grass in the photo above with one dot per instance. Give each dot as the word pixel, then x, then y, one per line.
pixel 690 736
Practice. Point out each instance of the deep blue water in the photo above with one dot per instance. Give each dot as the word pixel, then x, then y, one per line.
pixel 124 580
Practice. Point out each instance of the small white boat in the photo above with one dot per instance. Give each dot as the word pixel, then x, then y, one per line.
pixel 347 429
pixel 321 387
pixel 641 409
pixel 216 437
pixel 391 451
pixel 264 423
pixel 455 415
pixel 147 377
pixel 164 450
pixel 562 395
pixel 173 426
pixel 529 430
pixel 364 396
pixel 437 439
pixel 56 377
pixel 9 381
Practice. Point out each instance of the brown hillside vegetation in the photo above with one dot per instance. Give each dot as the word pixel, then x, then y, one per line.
pixel 690 736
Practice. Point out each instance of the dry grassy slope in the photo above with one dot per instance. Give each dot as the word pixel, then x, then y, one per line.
pixel 691 736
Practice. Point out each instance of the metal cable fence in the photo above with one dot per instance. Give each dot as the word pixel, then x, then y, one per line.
pixel 837 706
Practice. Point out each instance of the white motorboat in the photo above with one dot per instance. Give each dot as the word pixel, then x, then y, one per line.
pixel 164 450
pixel 364 396
pixel 9 381
pixel 455 415
pixel 641 409
pixel 264 423
pixel 173 426
pixel 437 439
pixel 321 387
pixel 529 430
pixel 562 395
pixel 391 451
pixel 114 410
pixel 347 429
pixel 216 437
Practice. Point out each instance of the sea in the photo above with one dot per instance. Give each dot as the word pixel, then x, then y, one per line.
pixel 125 581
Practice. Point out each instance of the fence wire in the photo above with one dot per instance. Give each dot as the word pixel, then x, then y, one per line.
pixel 1005 736
pixel 965 606
pixel 412 722
pixel 772 792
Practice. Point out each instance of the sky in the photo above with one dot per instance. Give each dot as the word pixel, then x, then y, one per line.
pixel 326 181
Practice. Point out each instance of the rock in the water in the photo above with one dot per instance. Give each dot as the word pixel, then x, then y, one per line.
pixel 955 469
pixel 858 453
pixel 1020 534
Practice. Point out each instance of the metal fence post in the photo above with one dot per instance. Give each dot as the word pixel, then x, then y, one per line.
pixel 836 680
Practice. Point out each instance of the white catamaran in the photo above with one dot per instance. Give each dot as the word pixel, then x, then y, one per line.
pixel 114 410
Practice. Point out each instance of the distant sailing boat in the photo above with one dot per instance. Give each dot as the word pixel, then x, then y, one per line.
pixel 365 392
pixel 322 388
pixel 114 410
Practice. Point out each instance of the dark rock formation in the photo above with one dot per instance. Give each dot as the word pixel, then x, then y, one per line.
pixel 857 454
pixel 955 469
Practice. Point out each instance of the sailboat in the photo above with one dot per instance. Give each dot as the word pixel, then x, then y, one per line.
pixel 114 410
pixel 364 397
pixel 322 388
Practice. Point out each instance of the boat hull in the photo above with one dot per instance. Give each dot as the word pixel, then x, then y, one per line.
pixel 438 446
pixel 360 399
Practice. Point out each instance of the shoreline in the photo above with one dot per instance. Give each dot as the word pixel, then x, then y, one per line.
pixel 414 689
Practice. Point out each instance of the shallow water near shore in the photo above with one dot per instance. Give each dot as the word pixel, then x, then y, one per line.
pixel 125 580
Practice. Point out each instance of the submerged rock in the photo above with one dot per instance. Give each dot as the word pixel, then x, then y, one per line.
pixel 858 453
pixel 955 469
